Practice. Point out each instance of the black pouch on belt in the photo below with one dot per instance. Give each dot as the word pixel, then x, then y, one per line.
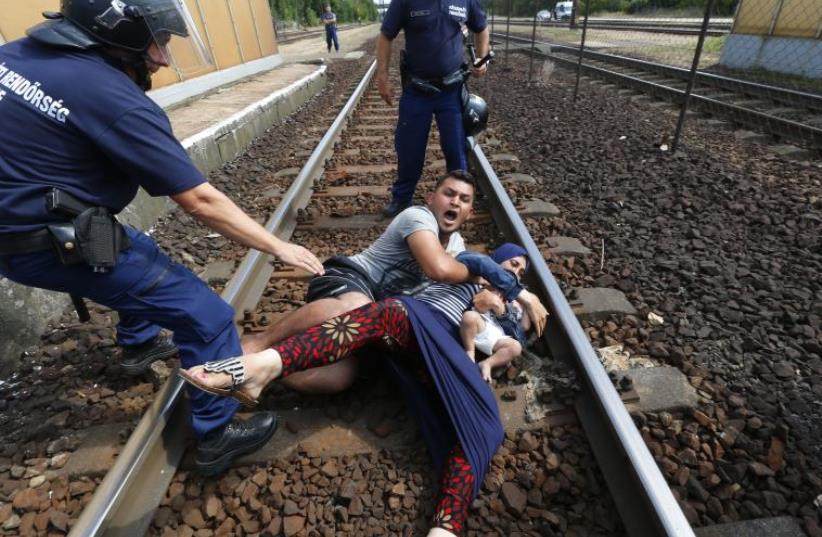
pixel 65 243
pixel 100 238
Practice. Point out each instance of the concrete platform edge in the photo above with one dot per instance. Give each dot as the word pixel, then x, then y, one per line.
pixel 26 312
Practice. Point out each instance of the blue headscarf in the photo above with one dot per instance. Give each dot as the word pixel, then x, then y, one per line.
pixel 508 251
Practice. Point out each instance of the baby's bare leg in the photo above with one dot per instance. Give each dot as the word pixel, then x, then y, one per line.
pixel 471 325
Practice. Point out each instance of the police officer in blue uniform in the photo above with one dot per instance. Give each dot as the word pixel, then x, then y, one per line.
pixel 78 137
pixel 432 82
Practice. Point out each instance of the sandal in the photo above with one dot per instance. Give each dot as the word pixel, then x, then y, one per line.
pixel 234 367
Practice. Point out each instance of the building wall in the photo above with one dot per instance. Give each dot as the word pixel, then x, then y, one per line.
pixel 235 31
pixel 779 18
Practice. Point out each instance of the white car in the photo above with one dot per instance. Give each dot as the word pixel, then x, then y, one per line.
pixel 543 16
pixel 562 11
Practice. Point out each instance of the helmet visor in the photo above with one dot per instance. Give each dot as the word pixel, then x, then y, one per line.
pixel 170 27
pixel 173 29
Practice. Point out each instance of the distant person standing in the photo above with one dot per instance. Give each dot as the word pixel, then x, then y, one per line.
pixel 330 21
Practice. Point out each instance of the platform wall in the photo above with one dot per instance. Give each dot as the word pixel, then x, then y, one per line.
pixel 781 36
pixel 236 31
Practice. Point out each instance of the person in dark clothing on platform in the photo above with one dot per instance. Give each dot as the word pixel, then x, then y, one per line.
pixel 330 21
pixel 79 137
pixel 432 83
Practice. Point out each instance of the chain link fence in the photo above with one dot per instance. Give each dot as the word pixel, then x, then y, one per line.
pixel 754 63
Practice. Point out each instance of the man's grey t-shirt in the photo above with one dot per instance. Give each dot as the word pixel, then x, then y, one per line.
pixel 389 262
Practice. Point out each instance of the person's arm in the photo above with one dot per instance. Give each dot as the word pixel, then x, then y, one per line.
pixel 218 212
pixel 383 62
pixel 535 310
pixel 485 267
pixel 433 260
pixel 482 43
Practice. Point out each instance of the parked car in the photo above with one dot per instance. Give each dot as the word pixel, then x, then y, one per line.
pixel 543 16
pixel 562 11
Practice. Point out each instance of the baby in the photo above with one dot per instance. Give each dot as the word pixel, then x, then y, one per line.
pixel 500 332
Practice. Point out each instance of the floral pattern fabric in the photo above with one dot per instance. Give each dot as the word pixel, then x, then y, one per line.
pixel 385 322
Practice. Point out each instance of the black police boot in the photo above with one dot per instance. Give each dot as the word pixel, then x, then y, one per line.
pixel 219 448
pixel 136 359
pixel 394 208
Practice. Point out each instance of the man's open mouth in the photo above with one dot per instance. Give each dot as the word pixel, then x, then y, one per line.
pixel 450 215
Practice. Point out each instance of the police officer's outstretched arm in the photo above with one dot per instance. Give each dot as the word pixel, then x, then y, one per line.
pixel 218 212
pixel 383 62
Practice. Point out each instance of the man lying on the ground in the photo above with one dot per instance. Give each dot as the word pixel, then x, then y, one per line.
pixel 419 245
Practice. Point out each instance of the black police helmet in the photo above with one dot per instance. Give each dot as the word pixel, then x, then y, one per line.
pixel 129 24
pixel 474 114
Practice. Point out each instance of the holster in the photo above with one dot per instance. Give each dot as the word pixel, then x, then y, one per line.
pixel 93 235
pixel 100 238
pixel 65 243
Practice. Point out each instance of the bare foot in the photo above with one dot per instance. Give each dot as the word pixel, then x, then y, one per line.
pixel 260 369
pixel 485 369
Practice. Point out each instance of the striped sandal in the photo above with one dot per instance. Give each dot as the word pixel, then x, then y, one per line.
pixel 232 366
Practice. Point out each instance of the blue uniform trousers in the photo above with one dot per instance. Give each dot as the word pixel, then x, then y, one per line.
pixel 134 331
pixel 411 138
pixel 149 291
pixel 331 35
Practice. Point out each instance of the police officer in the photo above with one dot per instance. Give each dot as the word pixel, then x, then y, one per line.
pixel 432 83
pixel 78 135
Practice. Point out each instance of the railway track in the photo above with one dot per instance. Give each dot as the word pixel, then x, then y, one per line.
pixel 659 27
pixel 785 114
pixel 126 500
pixel 290 37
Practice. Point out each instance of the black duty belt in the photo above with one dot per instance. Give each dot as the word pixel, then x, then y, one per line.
pixel 25 243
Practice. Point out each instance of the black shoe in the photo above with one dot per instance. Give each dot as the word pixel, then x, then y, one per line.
pixel 218 449
pixel 136 359
pixel 394 208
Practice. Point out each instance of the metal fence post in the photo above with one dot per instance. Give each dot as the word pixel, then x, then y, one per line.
pixel 709 4
pixel 581 48
pixel 533 41
pixel 507 32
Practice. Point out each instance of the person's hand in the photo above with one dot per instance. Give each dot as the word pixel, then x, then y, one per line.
pixel 299 257
pixel 384 88
pixel 485 369
pixel 535 310
pixel 486 301
pixel 479 71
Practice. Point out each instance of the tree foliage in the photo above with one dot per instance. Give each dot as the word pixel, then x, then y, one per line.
pixel 527 8
pixel 307 12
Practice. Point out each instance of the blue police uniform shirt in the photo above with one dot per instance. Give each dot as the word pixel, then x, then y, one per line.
pixel 433 37
pixel 72 120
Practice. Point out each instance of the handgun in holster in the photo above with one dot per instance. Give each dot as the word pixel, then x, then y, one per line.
pixel 92 235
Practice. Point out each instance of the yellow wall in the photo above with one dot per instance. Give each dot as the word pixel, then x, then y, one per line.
pixel 226 27
pixel 788 18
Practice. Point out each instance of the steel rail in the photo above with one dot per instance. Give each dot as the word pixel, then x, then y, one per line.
pixel 657 29
pixel 804 134
pixel 795 98
pixel 785 128
pixel 644 500
pixel 124 502
pixel 787 96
